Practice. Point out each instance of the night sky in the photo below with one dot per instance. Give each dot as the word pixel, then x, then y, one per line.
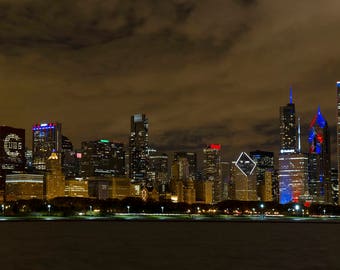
pixel 212 71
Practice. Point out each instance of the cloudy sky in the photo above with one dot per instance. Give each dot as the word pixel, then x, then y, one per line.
pixel 203 71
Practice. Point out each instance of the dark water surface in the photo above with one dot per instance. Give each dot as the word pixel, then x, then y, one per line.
pixel 169 245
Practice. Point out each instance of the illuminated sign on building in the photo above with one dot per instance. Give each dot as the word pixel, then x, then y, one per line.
pixel 12 145
pixel 245 164
pixel 215 146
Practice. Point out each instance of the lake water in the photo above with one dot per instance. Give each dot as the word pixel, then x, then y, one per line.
pixel 169 245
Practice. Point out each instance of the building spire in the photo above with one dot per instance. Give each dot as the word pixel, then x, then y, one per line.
pixel 291 95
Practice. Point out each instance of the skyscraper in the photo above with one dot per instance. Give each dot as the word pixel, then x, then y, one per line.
pixel 192 159
pixel 319 183
pixel 292 164
pixel 102 158
pixel 158 171
pixel 68 159
pixel 212 169
pixel 264 163
pixel 54 179
pixel 138 149
pixel 288 127
pixel 293 177
pixel 47 138
pixel 181 184
pixel 243 179
pixel 338 130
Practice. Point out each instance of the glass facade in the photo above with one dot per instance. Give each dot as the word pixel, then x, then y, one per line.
pixel 138 149
pixel 47 138
pixel 212 169
pixel 319 160
pixel 293 177
pixel 102 158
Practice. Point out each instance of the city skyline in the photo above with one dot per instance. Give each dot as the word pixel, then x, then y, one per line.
pixel 201 72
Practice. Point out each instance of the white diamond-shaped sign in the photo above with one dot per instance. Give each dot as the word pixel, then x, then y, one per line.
pixel 245 164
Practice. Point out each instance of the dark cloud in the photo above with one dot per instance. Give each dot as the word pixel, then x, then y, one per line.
pixel 203 71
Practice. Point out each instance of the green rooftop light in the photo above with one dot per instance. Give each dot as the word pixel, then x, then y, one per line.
pixel 104 141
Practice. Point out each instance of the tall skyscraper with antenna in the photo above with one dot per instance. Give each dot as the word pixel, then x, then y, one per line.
pixel 293 165
pixel 288 128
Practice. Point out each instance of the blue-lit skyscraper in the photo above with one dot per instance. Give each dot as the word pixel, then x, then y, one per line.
pixel 319 184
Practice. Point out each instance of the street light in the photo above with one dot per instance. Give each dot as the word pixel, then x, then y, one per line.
pixel 128 209
pixel 49 209
pixel 297 208
pixel 162 207
pixel 262 207
pixel 3 209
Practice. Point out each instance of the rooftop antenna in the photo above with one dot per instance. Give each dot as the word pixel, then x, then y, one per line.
pixel 291 95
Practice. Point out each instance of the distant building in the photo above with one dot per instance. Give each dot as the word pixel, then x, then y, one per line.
pixel 212 169
pixel 12 152
pixel 225 172
pixel 121 187
pixel 335 186
pixel 288 127
pixel 69 159
pixel 100 187
pixel 319 182
pixel 244 178
pixel 138 149
pixel 192 160
pixel 181 184
pixel 47 138
pixel 292 164
pixel 158 171
pixel 54 178
pixel 204 192
pixel 102 158
pixel 338 132
pixel 293 176
pixel 24 187
pixel 267 187
pixel 264 163
pixel 276 186
pixel 29 160
pixel 76 188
